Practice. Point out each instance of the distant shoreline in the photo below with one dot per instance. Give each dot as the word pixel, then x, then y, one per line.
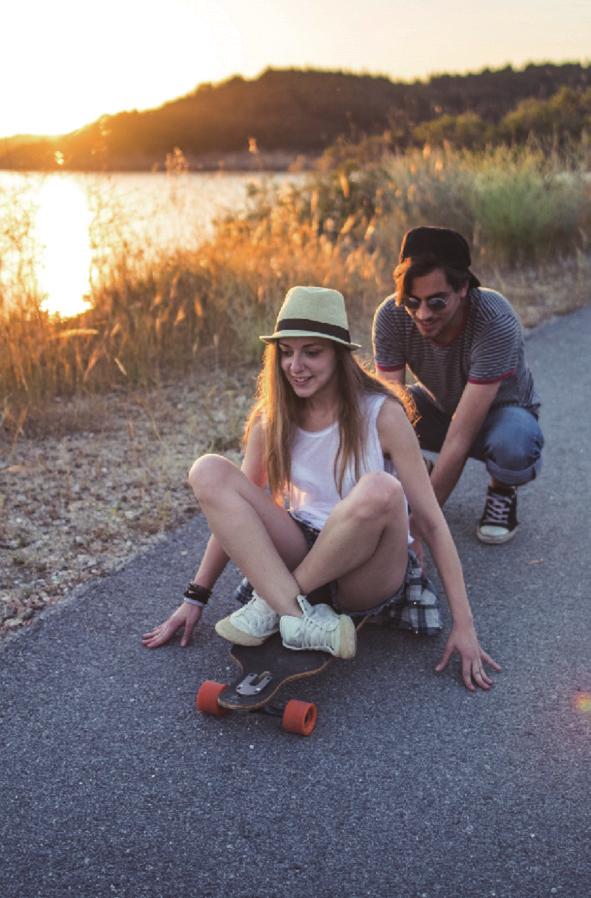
pixel 274 161
pixel 247 125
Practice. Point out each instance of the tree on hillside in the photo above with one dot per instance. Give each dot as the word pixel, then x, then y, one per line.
pixel 466 130
pixel 306 111
pixel 565 115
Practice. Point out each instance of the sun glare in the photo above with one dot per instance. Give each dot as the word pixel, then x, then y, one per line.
pixel 62 232
pixel 102 68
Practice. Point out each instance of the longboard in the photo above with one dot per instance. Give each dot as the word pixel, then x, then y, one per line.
pixel 263 671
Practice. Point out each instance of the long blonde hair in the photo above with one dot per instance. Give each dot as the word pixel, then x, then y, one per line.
pixel 278 410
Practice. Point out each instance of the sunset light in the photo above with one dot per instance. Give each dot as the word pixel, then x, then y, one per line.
pixel 126 56
pixel 409 185
pixel 62 231
pixel 68 63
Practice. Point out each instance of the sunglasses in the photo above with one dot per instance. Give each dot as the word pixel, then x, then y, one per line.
pixel 434 303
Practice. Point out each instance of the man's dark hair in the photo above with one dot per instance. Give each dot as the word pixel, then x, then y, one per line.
pixel 409 269
pixel 425 248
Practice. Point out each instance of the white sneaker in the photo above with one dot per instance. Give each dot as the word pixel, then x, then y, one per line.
pixel 320 629
pixel 251 624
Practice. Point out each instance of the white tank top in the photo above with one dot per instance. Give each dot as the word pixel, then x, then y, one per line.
pixel 313 492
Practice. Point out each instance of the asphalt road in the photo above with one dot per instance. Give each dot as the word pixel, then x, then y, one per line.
pixel 112 785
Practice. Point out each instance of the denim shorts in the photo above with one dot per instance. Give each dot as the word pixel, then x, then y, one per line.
pixel 311 534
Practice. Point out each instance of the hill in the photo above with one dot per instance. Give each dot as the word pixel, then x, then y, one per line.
pixel 290 112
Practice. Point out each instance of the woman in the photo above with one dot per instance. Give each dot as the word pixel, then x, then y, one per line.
pixel 330 461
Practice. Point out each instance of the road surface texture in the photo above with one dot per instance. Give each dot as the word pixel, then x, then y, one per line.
pixel 111 784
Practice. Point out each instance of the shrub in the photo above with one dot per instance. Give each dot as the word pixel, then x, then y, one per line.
pixel 154 315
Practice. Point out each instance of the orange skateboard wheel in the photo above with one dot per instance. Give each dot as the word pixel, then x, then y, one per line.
pixel 207 696
pixel 299 717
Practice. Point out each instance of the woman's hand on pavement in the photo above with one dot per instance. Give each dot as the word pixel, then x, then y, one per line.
pixel 473 658
pixel 186 617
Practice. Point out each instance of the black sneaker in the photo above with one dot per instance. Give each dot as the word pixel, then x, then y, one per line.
pixel 499 518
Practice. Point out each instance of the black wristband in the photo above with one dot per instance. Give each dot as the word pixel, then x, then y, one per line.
pixel 197 593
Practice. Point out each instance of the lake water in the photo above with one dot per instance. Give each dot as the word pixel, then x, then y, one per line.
pixel 56 228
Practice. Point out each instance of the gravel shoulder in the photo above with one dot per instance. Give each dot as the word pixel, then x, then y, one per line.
pixel 104 479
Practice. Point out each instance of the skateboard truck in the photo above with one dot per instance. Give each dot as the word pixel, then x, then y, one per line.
pixel 254 683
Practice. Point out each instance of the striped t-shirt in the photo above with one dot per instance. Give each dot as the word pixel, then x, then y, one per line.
pixel 489 348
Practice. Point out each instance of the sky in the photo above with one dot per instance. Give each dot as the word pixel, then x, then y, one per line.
pixel 64 63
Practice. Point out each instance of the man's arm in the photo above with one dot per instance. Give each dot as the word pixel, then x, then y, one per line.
pixel 469 416
pixel 471 411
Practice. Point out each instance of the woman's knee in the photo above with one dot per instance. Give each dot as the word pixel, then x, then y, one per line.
pixel 207 473
pixel 377 495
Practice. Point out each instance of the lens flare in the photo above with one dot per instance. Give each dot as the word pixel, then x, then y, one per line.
pixel 582 702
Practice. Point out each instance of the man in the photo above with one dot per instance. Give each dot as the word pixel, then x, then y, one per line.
pixel 474 392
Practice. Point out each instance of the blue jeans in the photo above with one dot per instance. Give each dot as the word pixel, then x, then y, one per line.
pixel 509 442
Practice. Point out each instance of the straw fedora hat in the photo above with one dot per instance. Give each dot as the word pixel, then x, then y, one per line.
pixel 313 312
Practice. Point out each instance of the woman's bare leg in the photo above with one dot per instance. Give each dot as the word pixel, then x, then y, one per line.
pixel 258 535
pixel 363 546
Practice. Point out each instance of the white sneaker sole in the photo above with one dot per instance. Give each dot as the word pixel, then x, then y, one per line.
pixel 348 646
pixel 495 540
pixel 226 629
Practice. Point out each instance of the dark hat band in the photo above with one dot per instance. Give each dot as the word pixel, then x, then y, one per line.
pixel 318 327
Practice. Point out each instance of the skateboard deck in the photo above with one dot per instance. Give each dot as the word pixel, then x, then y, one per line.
pixel 263 671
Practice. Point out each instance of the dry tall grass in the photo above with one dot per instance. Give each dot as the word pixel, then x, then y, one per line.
pixel 153 316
